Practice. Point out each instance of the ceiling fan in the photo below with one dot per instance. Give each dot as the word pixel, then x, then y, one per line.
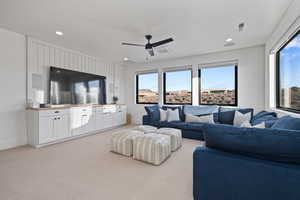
pixel 149 46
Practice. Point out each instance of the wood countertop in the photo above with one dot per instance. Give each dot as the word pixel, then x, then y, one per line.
pixel 74 106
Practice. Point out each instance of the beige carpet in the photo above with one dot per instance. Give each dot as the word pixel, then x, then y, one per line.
pixel 84 169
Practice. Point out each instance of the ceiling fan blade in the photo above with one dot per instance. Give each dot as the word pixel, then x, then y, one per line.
pixel 156 44
pixel 131 44
pixel 151 52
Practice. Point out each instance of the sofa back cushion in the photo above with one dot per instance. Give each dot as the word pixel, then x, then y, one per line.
pixel 287 122
pixel 269 118
pixel 153 112
pixel 264 113
pixel 226 115
pixel 269 144
pixel 201 110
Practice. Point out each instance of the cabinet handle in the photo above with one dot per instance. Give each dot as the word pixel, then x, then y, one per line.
pixel 84 115
pixel 56 111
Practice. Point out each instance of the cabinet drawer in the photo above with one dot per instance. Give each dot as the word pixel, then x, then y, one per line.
pixel 54 112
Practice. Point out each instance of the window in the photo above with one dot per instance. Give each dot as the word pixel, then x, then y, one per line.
pixel 178 87
pixel 288 75
pixel 147 88
pixel 218 85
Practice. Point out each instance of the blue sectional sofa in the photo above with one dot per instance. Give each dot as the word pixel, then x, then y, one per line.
pixel 249 163
pixel 240 163
pixel 191 130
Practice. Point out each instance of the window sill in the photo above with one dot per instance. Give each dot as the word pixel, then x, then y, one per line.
pixel 284 112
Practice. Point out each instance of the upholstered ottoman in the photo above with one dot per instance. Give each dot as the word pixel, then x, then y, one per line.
pixel 146 128
pixel 152 148
pixel 122 142
pixel 175 134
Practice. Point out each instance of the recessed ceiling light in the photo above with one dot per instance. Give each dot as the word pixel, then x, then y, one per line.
pixel 125 59
pixel 229 40
pixel 59 33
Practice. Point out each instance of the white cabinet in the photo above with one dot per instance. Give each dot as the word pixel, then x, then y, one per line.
pixel 53 125
pixel 46 126
pixel 61 127
pixel 83 120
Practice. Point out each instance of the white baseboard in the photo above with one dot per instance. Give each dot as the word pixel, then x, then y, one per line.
pixel 12 143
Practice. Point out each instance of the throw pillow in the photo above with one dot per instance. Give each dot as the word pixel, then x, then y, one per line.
pixel 153 112
pixel 173 115
pixel 163 115
pixel 248 125
pixel 240 118
pixel 202 119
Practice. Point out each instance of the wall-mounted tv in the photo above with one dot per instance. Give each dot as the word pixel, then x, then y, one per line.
pixel 72 87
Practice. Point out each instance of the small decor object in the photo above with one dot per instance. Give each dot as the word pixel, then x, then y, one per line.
pixel 152 148
pixel 44 105
pixel 175 135
pixel 115 99
pixel 122 142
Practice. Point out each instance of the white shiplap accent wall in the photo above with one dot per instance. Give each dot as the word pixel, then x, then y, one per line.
pixel 42 55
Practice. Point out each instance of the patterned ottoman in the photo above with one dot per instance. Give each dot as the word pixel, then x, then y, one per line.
pixel 175 134
pixel 122 142
pixel 152 148
pixel 146 128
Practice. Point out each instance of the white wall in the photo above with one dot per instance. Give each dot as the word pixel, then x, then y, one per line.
pixel 42 55
pixel 15 52
pixel 289 23
pixel 251 62
pixel 13 89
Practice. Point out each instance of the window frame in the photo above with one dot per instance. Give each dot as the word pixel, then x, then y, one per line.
pixel 164 87
pixel 235 85
pixel 277 67
pixel 137 88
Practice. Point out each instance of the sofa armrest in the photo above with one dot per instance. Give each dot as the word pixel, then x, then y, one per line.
pixel 222 175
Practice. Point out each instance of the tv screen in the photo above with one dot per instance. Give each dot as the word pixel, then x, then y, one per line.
pixel 72 87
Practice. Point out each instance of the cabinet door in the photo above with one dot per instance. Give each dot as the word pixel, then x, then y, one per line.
pixel 61 127
pixel 46 129
pixel 104 121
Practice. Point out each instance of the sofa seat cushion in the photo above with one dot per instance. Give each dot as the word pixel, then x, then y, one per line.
pixel 226 116
pixel 173 124
pixel 195 126
pixel 269 144
pixel 287 122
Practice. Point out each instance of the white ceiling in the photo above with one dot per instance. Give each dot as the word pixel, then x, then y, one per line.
pixel 97 27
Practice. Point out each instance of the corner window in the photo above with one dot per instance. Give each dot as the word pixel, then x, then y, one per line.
pixel 218 86
pixel 288 75
pixel 178 87
pixel 147 88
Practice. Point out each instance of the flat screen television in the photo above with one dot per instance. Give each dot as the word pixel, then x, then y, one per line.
pixel 72 87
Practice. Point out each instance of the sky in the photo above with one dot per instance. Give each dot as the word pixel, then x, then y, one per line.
pixel 218 77
pixel 290 64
